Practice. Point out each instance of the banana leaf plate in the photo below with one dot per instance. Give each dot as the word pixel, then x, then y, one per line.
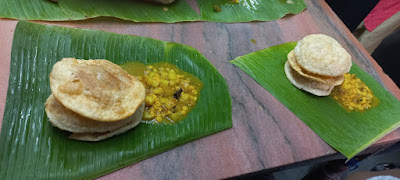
pixel 347 132
pixel 32 148
pixel 139 11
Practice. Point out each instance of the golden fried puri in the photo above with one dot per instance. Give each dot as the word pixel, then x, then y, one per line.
pixel 135 120
pixel 96 89
pixel 84 128
pixel 65 119
pixel 332 81
pixel 93 99
pixel 307 84
pixel 323 55
pixel 317 64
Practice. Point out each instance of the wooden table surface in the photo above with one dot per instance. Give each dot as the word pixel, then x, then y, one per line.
pixel 265 133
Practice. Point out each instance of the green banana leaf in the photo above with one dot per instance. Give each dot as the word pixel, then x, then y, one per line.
pixel 139 11
pixel 36 10
pixel 132 10
pixel 347 132
pixel 32 148
pixel 248 10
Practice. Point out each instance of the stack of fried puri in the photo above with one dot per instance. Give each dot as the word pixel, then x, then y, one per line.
pixel 93 99
pixel 317 64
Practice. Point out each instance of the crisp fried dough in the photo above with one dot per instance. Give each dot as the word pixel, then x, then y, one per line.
pixel 306 84
pixel 136 118
pixel 323 55
pixel 331 81
pixel 96 89
pixel 65 119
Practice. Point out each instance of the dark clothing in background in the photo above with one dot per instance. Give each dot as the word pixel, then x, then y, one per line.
pixel 352 12
pixel 387 54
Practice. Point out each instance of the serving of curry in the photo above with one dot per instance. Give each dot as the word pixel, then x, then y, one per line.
pixel 354 95
pixel 170 92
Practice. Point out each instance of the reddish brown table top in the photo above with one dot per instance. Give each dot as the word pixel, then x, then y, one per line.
pixel 261 138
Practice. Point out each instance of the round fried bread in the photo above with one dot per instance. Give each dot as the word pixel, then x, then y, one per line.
pixel 96 89
pixel 329 80
pixel 65 119
pixel 306 84
pixel 136 118
pixel 321 54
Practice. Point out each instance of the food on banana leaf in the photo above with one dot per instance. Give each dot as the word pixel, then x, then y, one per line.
pixel 86 129
pixel 354 95
pixel 170 92
pixel 216 8
pixel 93 99
pixel 27 133
pixel 307 84
pixel 332 81
pixel 317 64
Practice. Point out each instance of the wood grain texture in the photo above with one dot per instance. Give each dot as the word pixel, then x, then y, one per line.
pixel 265 134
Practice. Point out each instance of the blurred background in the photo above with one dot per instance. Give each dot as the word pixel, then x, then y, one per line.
pixel 375 23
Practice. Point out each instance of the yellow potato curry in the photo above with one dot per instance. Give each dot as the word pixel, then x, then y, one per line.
pixel 354 95
pixel 170 92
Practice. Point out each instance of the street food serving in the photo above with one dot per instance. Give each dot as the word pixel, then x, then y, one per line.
pixel 317 64
pixel 93 99
pixel 320 65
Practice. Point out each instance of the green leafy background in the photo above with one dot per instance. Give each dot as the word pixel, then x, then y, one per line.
pixel 32 148
pixel 139 11
pixel 347 132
